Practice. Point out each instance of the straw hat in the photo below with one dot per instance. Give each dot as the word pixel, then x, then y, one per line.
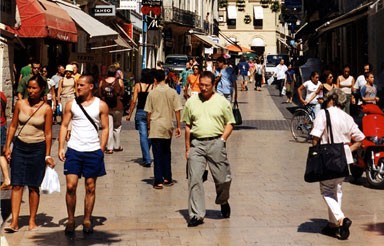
pixel 69 68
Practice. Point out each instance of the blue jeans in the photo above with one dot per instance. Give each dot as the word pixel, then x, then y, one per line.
pixel 161 149
pixel 142 126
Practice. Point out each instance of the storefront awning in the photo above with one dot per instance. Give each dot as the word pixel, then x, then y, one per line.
pixel 236 48
pixel 126 35
pixel 118 42
pixel 346 18
pixel 257 42
pixel 89 24
pixel 41 19
pixel 207 40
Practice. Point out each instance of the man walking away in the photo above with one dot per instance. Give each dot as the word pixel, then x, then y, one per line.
pixel 84 156
pixel 160 105
pixel 209 122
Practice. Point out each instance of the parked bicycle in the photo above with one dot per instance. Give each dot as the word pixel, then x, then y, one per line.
pixel 302 124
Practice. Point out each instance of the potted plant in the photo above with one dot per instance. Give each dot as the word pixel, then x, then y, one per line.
pixel 223 3
pixel 275 6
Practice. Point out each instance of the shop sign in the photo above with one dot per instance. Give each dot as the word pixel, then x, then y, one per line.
pixel 128 4
pixel 152 2
pixel 84 57
pixel 104 10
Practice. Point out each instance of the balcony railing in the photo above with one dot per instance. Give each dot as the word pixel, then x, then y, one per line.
pixel 183 17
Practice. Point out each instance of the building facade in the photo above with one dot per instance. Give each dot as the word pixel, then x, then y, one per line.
pixel 251 24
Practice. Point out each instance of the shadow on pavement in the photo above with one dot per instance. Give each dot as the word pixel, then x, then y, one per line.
pixel 312 226
pixel 210 214
pixel 376 227
pixel 244 127
pixel 78 238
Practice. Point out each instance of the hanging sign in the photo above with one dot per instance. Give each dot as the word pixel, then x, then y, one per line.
pixel 104 10
pixel 152 2
pixel 128 4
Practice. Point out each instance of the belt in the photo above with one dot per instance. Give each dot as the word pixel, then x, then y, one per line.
pixel 208 138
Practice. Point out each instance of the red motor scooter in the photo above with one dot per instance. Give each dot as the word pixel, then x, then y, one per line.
pixel 370 157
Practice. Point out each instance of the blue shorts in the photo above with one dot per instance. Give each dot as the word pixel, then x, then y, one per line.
pixel 86 164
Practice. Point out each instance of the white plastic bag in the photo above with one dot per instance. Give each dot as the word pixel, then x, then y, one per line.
pixel 50 182
pixel 284 91
pixel 270 80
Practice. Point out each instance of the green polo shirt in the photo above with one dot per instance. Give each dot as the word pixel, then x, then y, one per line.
pixel 208 118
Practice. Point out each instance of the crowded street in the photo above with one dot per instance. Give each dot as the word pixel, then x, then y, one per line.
pixel 271 203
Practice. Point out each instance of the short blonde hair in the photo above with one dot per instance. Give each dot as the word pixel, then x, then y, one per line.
pixel 117 65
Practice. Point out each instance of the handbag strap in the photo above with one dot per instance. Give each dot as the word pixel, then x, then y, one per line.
pixel 235 105
pixel 30 118
pixel 329 125
pixel 86 114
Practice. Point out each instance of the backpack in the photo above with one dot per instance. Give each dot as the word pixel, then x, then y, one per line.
pixel 110 95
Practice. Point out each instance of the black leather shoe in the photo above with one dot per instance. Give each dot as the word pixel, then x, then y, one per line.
pixel 195 222
pixel 225 210
pixel 344 229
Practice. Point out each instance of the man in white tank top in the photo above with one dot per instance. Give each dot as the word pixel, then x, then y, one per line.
pixel 84 156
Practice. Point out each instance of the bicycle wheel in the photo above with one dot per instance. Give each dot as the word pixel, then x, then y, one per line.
pixel 301 126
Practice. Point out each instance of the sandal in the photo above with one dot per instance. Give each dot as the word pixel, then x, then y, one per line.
pixel 169 183
pixel 108 151
pixel 87 227
pixel 158 186
pixel 70 228
pixel 10 229
pixel 119 149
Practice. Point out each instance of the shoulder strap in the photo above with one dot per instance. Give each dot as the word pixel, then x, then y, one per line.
pixel 329 125
pixel 146 90
pixel 86 114
pixel 30 118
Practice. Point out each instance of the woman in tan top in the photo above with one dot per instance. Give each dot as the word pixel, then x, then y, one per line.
pixel 67 91
pixel 31 152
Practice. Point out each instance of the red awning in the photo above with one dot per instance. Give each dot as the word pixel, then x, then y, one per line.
pixel 40 19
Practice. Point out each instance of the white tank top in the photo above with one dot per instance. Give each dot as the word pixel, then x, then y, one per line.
pixel 84 137
pixel 346 84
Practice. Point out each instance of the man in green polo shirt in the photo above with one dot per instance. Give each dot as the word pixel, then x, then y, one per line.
pixel 22 91
pixel 209 122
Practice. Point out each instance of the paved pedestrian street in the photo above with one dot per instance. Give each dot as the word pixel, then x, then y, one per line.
pixel 271 204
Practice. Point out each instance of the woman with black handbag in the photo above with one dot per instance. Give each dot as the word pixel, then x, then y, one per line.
pixel 345 131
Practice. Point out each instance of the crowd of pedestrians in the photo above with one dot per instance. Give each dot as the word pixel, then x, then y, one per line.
pixel 87 106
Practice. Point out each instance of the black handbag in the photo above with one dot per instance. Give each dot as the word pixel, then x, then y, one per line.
pixel 326 161
pixel 237 114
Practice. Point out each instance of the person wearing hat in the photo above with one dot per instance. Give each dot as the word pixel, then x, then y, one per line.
pixel 66 91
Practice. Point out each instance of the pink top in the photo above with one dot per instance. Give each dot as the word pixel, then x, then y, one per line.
pixel 3 98
pixel 343 127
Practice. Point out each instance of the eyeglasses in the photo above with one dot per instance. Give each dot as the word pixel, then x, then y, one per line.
pixel 44 71
pixel 35 67
pixel 330 77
